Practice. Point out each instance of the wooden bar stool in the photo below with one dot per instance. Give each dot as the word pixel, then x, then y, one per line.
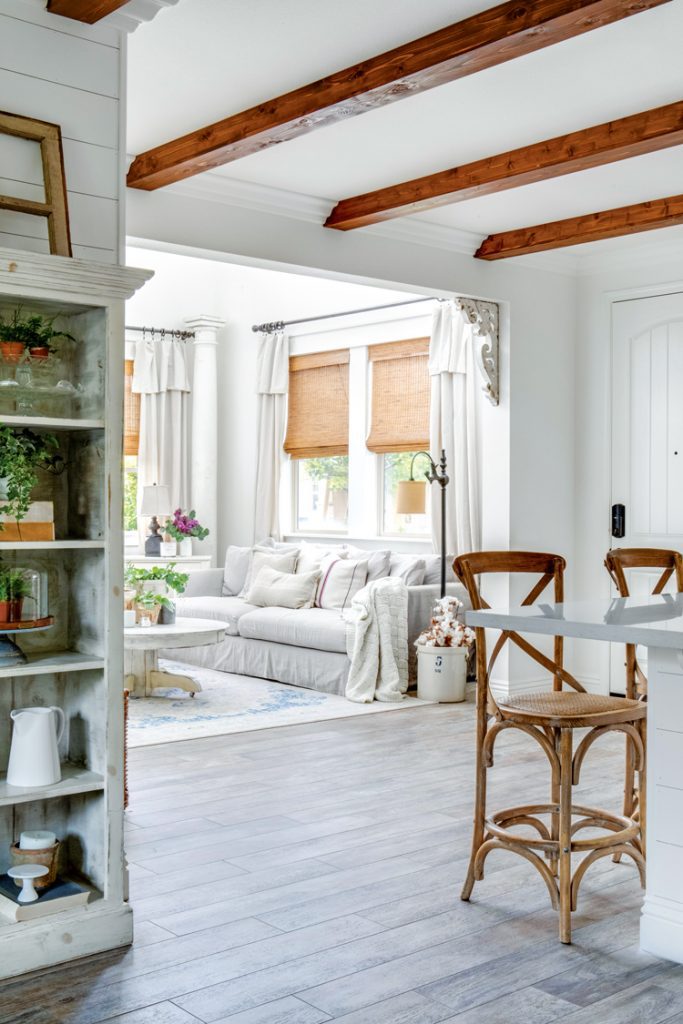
pixel 617 562
pixel 550 719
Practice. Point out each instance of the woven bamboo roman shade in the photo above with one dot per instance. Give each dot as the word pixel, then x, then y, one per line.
pixel 400 396
pixel 131 413
pixel 318 405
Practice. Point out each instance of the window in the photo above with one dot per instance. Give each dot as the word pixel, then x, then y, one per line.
pixel 355 419
pixel 318 439
pixel 322 494
pixel 131 443
pixel 399 424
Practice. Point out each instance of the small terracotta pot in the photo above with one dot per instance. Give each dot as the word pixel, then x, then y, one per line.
pixel 12 351
pixel 40 352
pixel 48 858
pixel 10 611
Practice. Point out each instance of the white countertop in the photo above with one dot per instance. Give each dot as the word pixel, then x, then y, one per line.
pixel 652 621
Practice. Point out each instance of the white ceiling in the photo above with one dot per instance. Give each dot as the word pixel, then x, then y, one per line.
pixel 207 59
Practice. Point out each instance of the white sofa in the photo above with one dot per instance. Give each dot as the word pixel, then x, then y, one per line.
pixel 305 646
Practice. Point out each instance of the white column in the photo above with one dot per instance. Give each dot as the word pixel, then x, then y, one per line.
pixel 204 472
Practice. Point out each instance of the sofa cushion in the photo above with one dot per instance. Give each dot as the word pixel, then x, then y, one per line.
pixel 225 609
pixel 281 561
pixel 311 555
pixel 408 568
pixel 318 628
pixel 379 561
pixel 271 589
pixel 235 570
pixel 341 580
pixel 433 569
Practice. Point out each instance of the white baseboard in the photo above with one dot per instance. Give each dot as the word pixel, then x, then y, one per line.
pixel 661 928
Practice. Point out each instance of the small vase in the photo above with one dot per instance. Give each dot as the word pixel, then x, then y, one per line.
pixel 168 548
pixel 185 547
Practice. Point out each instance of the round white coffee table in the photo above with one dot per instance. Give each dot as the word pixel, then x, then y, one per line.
pixel 141 653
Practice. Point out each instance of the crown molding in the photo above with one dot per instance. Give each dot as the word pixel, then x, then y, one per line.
pixel 249 195
pixel 66 276
pixel 666 247
pixel 135 13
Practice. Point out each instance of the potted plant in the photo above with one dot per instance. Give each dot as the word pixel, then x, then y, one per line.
pixel 32 333
pixel 148 605
pixel 442 651
pixel 158 580
pixel 14 589
pixel 22 452
pixel 183 527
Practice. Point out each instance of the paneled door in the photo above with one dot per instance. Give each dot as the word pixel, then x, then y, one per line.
pixel 647 434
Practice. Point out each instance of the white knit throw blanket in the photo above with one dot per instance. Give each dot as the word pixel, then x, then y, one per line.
pixel 377 642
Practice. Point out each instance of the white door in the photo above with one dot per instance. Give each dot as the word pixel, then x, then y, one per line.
pixel 647 434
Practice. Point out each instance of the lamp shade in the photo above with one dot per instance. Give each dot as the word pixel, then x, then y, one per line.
pixel 411 497
pixel 156 501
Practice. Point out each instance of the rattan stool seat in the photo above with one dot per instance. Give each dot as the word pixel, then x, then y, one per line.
pixel 567 704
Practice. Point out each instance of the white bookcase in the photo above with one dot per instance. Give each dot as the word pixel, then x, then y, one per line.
pixel 78 663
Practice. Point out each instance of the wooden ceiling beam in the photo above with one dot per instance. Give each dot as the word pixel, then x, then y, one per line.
pixel 630 136
pixel 88 11
pixel 591 227
pixel 491 37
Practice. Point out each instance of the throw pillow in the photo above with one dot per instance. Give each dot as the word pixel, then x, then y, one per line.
pixel 273 589
pixel 409 569
pixel 378 561
pixel 311 555
pixel 281 561
pixel 236 569
pixel 433 569
pixel 341 579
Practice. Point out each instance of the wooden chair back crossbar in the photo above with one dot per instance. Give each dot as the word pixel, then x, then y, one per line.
pixel 617 562
pixel 549 718
pixel 551 568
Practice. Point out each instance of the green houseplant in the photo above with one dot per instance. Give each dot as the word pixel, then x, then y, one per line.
pixel 14 588
pixel 34 333
pixel 149 605
pixel 135 577
pixel 22 452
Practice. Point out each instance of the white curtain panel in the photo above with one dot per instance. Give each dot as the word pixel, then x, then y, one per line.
pixel 161 377
pixel 272 384
pixel 453 428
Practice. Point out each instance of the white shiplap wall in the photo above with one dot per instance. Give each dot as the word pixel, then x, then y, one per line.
pixel 58 70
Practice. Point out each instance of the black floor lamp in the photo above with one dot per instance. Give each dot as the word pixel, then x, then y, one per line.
pixel 411 499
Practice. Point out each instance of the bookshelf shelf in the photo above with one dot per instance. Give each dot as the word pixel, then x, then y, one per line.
pixel 74 780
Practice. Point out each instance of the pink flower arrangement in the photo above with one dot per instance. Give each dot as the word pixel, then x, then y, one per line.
pixel 184 525
pixel 445 629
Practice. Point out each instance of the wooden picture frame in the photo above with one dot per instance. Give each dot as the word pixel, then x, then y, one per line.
pixel 55 207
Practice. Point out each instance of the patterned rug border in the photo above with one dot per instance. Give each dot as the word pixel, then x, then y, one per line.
pixel 174 717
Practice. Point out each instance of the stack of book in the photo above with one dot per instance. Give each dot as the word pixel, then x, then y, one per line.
pixel 63 895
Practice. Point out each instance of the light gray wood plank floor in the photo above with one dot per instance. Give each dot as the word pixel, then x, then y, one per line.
pixel 311 873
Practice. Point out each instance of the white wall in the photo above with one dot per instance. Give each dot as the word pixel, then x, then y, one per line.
pixel 58 70
pixel 596 292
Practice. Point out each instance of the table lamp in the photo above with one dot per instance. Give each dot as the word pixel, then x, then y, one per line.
pixel 411 499
pixel 156 501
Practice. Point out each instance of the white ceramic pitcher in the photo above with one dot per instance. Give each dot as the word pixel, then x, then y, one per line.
pixel 33 756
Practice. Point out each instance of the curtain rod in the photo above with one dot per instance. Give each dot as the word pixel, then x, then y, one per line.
pixel 279 325
pixel 163 331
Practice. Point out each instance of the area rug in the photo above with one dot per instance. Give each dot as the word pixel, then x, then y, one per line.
pixel 229 703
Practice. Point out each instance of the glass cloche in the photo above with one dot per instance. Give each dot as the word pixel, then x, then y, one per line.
pixel 23 596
